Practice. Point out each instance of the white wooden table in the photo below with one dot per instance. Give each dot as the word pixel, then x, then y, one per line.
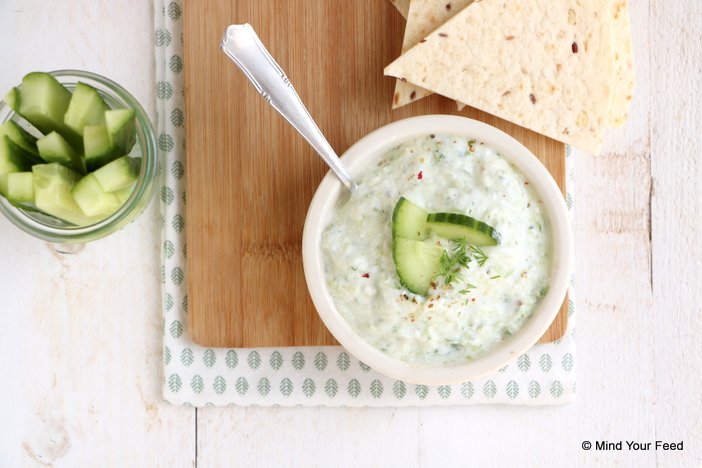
pixel 80 341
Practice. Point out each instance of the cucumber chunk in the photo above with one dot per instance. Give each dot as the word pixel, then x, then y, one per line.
pixel 13 158
pixel 456 226
pixel 98 149
pixel 85 108
pixel 53 184
pixel 121 127
pixel 20 137
pixel 124 194
pixel 53 148
pixel 118 174
pixel 18 188
pixel 417 263
pixel 43 102
pixel 92 199
pixel 409 221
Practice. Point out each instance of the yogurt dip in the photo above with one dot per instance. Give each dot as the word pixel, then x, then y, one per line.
pixel 491 298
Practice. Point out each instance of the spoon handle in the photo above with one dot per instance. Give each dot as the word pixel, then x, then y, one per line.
pixel 244 48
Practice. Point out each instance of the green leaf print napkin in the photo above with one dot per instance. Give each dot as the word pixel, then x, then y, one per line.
pixel 308 376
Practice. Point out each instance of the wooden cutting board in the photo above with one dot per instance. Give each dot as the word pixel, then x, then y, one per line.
pixel 250 177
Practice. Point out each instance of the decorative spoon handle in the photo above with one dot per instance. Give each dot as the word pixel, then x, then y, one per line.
pixel 245 49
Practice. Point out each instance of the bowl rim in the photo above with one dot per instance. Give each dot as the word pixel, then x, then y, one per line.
pixel 143 190
pixel 373 146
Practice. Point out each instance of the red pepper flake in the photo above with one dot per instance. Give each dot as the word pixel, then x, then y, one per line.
pixel 532 98
pixel 526 182
pixel 423 41
pixel 430 306
pixel 448 7
pixel 509 38
pixel 472 300
pixel 443 34
pixel 420 176
pixel 433 284
pixel 574 47
pixel 365 275
pixel 413 95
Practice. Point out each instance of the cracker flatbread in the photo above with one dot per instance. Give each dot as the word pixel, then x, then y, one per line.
pixel 424 16
pixel 402 6
pixel 525 61
pixel 623 63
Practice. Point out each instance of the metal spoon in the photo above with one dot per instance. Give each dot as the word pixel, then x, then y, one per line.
pixel 244 48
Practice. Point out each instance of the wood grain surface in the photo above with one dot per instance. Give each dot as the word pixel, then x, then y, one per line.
pixel 250 177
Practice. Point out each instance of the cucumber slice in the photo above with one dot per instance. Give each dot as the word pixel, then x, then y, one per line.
pixel 43 101
pixel 18 188
pixel 118 174
pixel 13 158
pixel 409 221
pixel 53 148
pixel 53 184
pixel 417 263
pixel 92 199
pixel 86 108
pixel 20 137
pixel 456 226
pixel 121 127
pixel 98 149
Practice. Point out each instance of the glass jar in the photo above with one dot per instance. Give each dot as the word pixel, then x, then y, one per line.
pixel 55 230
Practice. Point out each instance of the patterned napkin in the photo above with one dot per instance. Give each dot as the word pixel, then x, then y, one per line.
pixel 307 376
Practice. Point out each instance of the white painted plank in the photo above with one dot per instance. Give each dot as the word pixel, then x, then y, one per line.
pixel 676 148
pixel 307 437
pixel 80 343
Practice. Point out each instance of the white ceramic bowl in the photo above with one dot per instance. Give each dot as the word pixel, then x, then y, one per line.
pixel 364 153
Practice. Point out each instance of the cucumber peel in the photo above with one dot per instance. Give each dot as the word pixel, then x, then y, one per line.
pixel 54 148
pixel 98 148
pixel 86 107
pixel 118 174
pixel 43 102
pixel 121 128
pixel 456 226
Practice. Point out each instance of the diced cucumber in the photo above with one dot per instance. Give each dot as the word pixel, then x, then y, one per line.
pixel 43 101
pixel 417 263
pixel 118 174
pixel 121 127
pixel 92 199
pixel 53 184
pixel 20 137
pixel 98 149
pixel 53 148
pixel 18 188
pixel 456 226
pixel 13 158
pixel 124 194
pixel 85 108
pixel 409 221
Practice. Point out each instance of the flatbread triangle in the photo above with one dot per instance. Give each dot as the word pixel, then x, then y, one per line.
pixel 544 65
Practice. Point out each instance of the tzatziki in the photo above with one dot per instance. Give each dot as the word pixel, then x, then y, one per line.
pixel 490 296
